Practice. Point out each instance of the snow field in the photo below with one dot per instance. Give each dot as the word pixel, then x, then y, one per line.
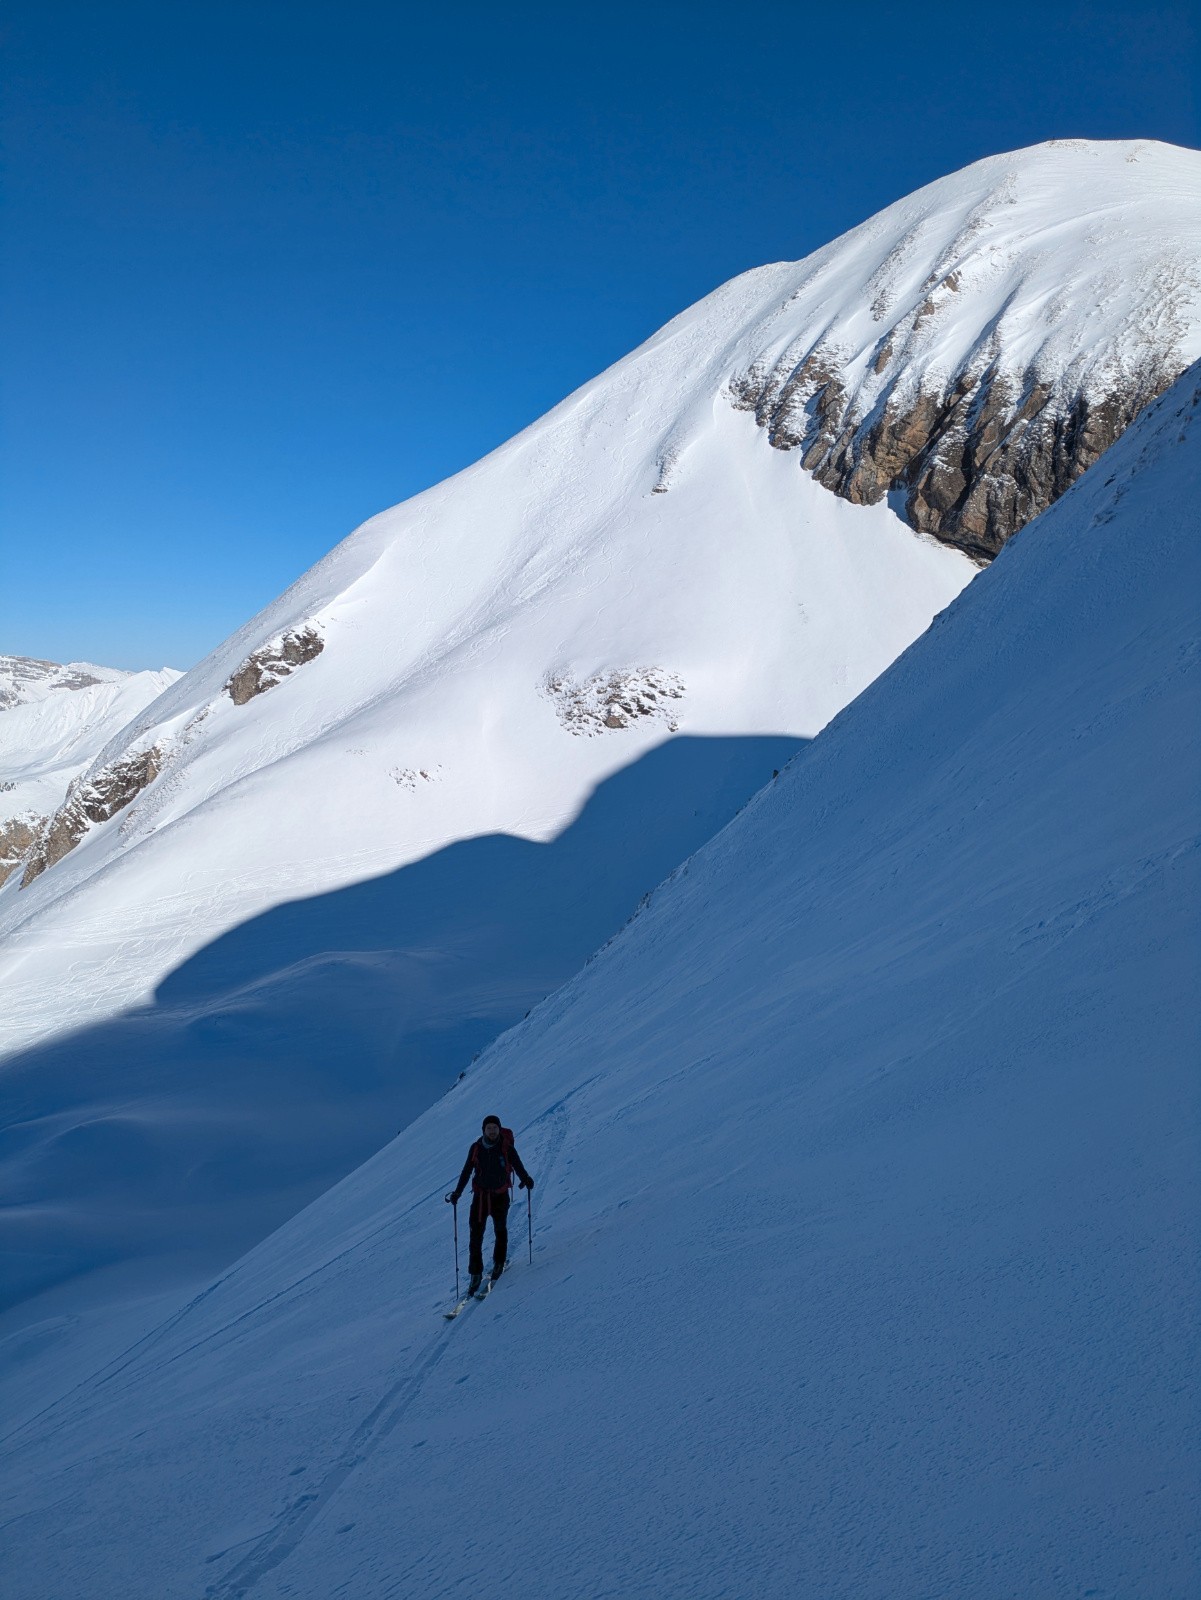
pixel 866 1198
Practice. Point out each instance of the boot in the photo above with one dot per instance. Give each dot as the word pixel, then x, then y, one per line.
pixel 473 1283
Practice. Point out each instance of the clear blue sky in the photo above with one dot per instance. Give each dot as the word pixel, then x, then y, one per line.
pixel 268 268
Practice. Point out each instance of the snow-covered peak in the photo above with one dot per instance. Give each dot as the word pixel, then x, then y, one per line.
pixel 24 678
pixel 1072 257
pixel 978 344
pixel 975 346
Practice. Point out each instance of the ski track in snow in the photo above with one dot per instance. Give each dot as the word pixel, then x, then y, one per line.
pixel 294 1523
pixel 291 1527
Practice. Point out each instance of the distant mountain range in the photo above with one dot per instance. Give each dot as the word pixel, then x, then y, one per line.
pixel 54 720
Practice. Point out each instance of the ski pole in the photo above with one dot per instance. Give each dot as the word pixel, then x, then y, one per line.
pixel 455 1209
pixel 529 1217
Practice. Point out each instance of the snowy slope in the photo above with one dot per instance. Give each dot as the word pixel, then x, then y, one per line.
pixel 465 764
pixel 54 720
pixel 866 1207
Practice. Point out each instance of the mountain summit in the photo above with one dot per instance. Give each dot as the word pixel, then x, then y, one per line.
pixel 978 345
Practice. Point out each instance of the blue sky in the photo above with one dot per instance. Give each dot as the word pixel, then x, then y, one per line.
pixel 269 268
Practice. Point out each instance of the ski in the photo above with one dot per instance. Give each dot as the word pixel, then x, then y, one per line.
pixel 486 1288
pixel 482 1293
pixel 459 1306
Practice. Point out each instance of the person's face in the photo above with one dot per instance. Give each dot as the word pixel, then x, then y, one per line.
pixel 492 1132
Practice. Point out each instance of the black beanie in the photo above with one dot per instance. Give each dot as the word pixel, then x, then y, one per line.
pixel 487 1120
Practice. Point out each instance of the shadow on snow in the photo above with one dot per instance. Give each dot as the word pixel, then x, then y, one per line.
pixel 283 1054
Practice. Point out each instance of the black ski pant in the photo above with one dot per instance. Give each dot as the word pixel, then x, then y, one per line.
pixel 484 1206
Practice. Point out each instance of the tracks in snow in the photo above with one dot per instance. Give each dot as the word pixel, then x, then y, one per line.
pixel 546 1133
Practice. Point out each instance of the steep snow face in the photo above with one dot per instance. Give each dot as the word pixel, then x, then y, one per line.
pixel 404 802
pixel 53 720
pixel 978 345
pixel 865 1199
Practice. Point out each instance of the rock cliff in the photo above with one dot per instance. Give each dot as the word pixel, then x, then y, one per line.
pixel 91 800
pixel 978 346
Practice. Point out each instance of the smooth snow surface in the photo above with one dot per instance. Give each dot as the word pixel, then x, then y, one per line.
pixel 866 1207
pixel 542 684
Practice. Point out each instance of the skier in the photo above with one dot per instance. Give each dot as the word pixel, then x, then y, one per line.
pixel 490 1164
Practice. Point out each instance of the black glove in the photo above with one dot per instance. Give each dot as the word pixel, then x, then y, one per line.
pixel 526 1183
pixel 452 1199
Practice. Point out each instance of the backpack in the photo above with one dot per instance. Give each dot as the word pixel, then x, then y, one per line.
pixel 506 1152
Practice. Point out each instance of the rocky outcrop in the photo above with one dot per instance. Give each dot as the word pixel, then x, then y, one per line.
pixel 91 800
pixel 17 835
pixel 977 346
pixel 613 700
pixel 976 459
pixel 272 662
pixel 101 794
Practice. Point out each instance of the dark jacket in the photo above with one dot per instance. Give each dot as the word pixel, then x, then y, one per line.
pixel 488 1168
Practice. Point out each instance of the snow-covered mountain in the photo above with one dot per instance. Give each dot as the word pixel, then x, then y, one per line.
pixel 866 1196
pixel 1005 335
pixel 25 680
pixel 286 906
pixel 54 719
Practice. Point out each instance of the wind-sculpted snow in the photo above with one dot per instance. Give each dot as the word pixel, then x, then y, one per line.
pixel 866 1208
